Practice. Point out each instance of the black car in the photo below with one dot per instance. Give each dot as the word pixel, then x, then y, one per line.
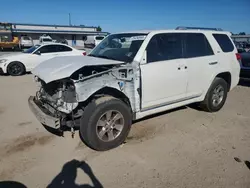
pixel 245 65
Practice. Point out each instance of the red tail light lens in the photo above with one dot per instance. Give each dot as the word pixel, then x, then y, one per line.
pixel 238 57
pixel 84 53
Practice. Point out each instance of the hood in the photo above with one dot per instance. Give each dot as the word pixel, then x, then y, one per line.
pixel 63 67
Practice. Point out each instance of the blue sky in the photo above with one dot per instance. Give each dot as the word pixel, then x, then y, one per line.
pixel 115 15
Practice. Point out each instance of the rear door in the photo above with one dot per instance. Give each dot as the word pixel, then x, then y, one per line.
pixel 201 63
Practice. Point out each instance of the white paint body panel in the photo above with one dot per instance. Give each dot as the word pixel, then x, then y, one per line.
pixel 31 60
pixel 157 86
pixel 63 67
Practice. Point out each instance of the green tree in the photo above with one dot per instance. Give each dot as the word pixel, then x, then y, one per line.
pixel 242 33
pixel 99 28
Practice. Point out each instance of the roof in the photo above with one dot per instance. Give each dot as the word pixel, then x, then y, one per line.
pixel 55 25
pixel 57 31
pixel 174 31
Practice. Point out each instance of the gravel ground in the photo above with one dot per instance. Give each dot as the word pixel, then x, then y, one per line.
pixel 181 148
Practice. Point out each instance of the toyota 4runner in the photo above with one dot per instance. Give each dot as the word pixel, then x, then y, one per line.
pixel 131 75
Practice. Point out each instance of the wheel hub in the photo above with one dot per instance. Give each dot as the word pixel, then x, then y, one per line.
pixel 218 95
pixel 110 125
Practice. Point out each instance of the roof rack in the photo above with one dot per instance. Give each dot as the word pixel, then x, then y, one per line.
pixel 198 28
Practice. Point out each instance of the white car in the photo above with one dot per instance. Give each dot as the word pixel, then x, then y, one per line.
pixel 92 41
pixel 132 75
pixel 25 41
pixel 20 63
pixel 46 40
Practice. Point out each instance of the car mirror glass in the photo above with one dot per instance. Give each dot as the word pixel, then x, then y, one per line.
pixel 38 52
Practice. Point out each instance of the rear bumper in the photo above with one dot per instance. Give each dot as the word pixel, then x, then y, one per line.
pixel 43 117
pixel 245 73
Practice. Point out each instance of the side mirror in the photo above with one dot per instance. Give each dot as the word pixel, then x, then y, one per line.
pixel 38 52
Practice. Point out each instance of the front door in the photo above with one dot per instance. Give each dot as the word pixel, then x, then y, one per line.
pixel 45 52
pixel 164 76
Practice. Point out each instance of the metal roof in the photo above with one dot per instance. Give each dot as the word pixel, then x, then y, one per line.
pixel 56 31
pixel 240 36
pixel 55 25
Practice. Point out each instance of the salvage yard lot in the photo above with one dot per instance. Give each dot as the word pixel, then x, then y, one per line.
pixel 181 148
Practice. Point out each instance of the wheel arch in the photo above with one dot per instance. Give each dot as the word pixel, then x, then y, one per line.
pixel 7 68
pixel 227 77
pixel 110 91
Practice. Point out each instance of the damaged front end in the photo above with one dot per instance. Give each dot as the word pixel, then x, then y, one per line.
pixel 60 104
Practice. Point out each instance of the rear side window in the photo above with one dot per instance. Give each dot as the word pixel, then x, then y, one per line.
pixel 62 48
pixel 197 45
pixel 164 47
pixel 224 42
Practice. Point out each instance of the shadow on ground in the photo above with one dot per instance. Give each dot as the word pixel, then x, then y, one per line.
pixel 11 184
pixel 67 177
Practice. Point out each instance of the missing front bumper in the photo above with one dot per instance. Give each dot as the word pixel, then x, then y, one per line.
pixel 42 116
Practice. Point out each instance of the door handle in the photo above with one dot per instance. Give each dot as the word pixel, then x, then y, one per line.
pixel 213 63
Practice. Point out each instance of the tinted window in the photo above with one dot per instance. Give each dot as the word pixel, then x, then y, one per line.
pixel 165 47
pixel 224 42
pixel 48 49
pixel 99 38
pixel 62 48
pixel 197 45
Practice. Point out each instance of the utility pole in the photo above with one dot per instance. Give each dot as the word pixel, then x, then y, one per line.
pixel 69 19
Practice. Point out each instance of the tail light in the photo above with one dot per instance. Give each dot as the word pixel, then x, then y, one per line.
pixel 84 53
pixel 238 56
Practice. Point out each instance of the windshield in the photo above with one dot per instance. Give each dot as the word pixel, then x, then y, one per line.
pixel 32 49
pixel 46 40
pixel 120 47
pixel 26 38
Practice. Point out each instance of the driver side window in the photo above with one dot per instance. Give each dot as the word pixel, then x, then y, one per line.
pixel 164 47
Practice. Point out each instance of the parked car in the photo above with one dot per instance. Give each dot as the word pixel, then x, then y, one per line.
pixel 18 64
pixel 146 73
pixel 245 65
pixel 25 42
pixel 92 41
pixel 63 41
pixel 45 39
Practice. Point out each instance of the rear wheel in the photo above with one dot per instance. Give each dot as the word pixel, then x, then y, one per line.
pixel 216 96
pixel 16 69
pixel 105 123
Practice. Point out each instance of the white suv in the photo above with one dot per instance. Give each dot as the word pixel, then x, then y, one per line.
pixel 132 75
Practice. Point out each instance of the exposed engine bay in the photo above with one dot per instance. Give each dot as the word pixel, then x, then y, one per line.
pixel 65 98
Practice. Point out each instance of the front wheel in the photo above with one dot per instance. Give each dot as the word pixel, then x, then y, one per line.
pixel 216 96
pixel 16 69
pixel 105 123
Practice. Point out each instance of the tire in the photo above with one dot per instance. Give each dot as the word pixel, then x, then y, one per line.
pixel 16 69
pixel 95 114
pixel 213 102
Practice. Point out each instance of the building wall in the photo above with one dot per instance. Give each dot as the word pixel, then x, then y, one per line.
pixel 68 37
pixel 52 28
